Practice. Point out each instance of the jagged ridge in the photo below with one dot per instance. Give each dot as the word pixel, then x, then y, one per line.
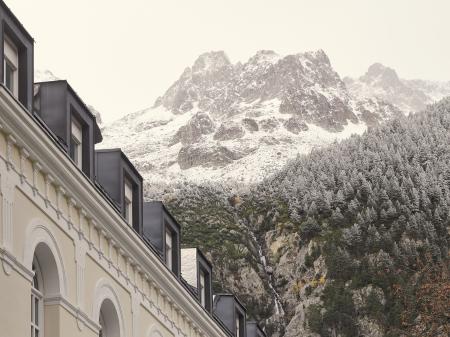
pixel 241 122
pixel 408 95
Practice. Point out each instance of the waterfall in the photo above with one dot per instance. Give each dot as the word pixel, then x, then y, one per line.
pixel 277 298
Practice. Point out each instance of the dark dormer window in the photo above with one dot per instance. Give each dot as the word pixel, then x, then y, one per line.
pixel 231 312
pixel 163 232
pixel 123 184
pixel 11 66
pixel 76 143
pixel 169 249
pixel 196 271
pixel 128 202
pixel 16 56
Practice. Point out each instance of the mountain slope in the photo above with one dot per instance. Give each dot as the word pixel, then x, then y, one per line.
pixel 408 95
pixel 351 240
pixel 241 122
pixel 337 242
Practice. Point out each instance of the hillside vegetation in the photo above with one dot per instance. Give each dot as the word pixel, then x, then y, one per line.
pixel 355 237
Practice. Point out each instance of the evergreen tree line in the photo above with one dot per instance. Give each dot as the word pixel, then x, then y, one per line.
pixel 379 206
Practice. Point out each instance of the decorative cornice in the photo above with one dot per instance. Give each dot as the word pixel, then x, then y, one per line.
pixel 10 263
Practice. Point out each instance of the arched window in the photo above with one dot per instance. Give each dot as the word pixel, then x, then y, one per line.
pixel 43 256
pixel 37 311
pixel 45 284
pixel 108 320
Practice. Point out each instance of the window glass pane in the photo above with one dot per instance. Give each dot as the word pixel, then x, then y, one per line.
pixel 36 311
pixel 9 76
pixel 202 289
pixel 10 65
pixel 169 255
pixel 72 148
pixel 128 188
pixel 35 282
pixel 76 143
pixel 237 327
pixel 77 131
pixel 169 239
pixel 126 210
pixel 79 155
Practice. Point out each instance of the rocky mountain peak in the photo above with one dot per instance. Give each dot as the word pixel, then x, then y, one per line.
pixel 220 119
pixel 264 56
pixel 215 85
pixel 317 56
pixel 378 73
pixel 211 61
pixel 383 82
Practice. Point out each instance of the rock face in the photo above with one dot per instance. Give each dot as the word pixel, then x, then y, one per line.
pixel 408 95
pixel 198 155
pixel 229 131
pixel 295 125
pixel 200 124
pixel 242 122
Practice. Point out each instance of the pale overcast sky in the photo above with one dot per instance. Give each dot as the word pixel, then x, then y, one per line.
pixel 120 55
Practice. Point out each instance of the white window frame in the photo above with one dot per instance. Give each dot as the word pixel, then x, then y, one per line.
pixel 77 141
pixel 11 58
pixel 238 325
pixel 202 288
pixel 37 301
pixel 128 202
pixel 169 248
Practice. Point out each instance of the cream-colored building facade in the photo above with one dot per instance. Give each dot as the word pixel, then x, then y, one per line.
pixel 69 261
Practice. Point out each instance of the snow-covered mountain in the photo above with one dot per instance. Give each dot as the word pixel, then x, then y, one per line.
pixel 241 122
pixel 408 95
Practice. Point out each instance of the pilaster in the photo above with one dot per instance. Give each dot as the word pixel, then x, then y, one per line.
pixel 7 191
pixel 10 142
